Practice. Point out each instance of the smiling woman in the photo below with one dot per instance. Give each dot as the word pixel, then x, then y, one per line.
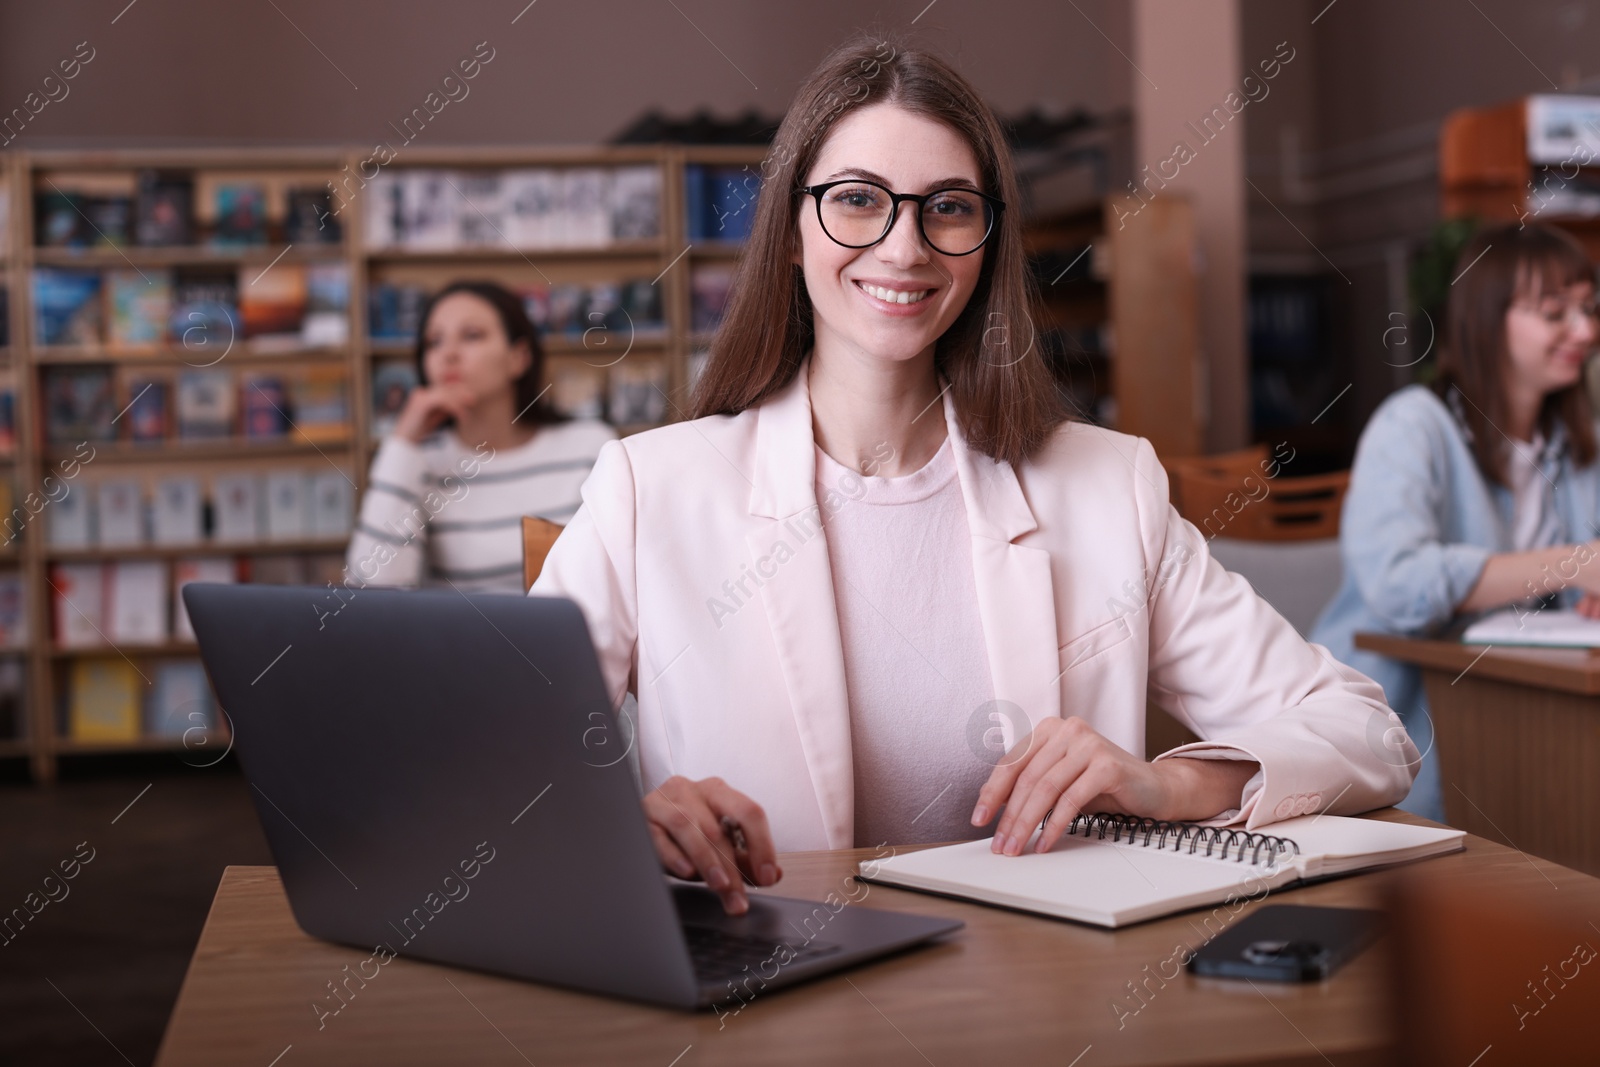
pixel 868 337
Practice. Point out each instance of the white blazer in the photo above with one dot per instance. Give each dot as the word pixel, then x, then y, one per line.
pixel 707 589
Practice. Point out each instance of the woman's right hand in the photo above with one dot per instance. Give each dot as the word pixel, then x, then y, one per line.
pixel 685 819
pixel 430 405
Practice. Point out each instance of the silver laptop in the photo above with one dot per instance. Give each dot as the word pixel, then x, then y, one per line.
pixel 428 774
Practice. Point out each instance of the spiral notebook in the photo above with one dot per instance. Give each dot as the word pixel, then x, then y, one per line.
pixel 1112 870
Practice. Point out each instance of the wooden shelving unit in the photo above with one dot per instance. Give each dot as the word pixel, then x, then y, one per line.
pixel 1485 173
pixel 1144 364
pixel 23 173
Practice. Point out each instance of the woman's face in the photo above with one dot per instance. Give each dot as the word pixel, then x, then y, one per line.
pixel 1548 337
pixel 908 153
pixel 465 344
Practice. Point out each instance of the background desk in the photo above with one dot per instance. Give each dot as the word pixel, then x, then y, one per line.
pixel 1518 733
pixel 1010 988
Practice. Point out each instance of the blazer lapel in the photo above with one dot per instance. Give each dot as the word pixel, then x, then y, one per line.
pixel 799 601
pixel 1016 595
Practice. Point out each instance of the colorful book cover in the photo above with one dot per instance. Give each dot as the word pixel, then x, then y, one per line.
pixel 8 415
pixel 58 220
pixel 13 610
pixel 176 511
pixel 149 408
pixel 78 595
pixel 327 316
pixel 136 612
pixel 392 382
pixel 310 217
pixel 79 405
pixel 104 700
pixel 394 312
pixel 206 403
pixel 266 406
pixel 272 301
pixel 180 701
pixel 321 405
pixel 164 208
pixel 236 507
pixel 205 313
pixel 66 306
pixel 241 214
pixel 140 305
pixel 636 203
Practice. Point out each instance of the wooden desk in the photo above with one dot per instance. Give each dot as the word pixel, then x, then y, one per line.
pixel 1518 734
pixel 1009 988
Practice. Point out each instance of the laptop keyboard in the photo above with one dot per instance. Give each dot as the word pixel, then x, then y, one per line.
pixel 717 952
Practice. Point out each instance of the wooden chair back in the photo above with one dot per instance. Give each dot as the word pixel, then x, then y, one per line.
pixel 1252 507
pixel 537 537
pixel 1222 465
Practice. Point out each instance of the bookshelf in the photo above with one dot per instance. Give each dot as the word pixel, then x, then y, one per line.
pixel 1141 372
pixel 1535 159
pixel 588 361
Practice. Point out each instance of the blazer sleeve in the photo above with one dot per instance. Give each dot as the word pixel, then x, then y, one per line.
pixel 593 564
pixel 1233 670
pixel 1390 534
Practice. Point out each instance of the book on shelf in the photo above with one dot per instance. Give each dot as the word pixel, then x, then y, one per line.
pixel 577 389
pixel 79 404
pixel 8 411
pixel 266 406
pixel 321 405
pixel 176 512
pixel 147 412
pixel 13 610
pixel 85 209
pixel 164 208
pixel 137 593
pixel 201 569
pixel 66 306
pixel 330 496
pixel 236 503
pixel 205 312
pixel 392 382
pixel 139 307
pixel 533 208
pixel 180 702
pixel 103 700
pixel 240 210
pixel 327 318
pixel 287 569
pixel 1113 870
pixel 78 596
pixel 636 203
pixel 13 703
pixel 481 212
pixel 394 312
pixel 720 201
pixel 206 403
pixel 424 209
pixel 272 304
pixel 638 392
pixel 709 287
pixel 287 505
pixel 309 217
pixel 69 520
pixel 585 209
pixel 119 506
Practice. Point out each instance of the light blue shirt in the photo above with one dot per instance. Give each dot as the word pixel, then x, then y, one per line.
pixel 1419 523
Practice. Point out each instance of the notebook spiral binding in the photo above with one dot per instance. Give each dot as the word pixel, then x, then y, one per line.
pixel 1220 841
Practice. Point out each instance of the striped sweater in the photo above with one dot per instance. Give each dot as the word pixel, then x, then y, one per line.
pixel 440 513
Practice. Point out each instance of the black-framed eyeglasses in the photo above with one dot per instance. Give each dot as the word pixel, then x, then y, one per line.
pixel 858 214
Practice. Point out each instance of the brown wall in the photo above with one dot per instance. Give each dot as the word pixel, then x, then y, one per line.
pixel 234 72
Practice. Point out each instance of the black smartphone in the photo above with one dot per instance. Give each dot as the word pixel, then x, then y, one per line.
pixel 1288 943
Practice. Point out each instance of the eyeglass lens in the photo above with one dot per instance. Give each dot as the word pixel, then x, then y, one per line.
pixel 954 221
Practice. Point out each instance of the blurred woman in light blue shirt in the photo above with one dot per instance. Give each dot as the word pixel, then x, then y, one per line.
pixel 1480 491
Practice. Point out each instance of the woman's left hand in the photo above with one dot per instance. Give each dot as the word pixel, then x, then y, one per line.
pixel 1066 766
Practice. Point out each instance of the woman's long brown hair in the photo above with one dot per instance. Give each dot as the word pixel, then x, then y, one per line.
pixel 1502 264
pixel 1005 397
